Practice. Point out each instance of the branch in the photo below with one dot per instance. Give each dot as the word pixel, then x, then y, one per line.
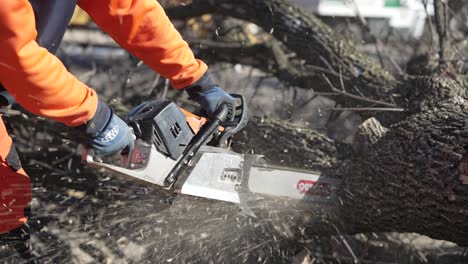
pixel 307 37
pixel 356 97
pixel 269 57
pixel 441 18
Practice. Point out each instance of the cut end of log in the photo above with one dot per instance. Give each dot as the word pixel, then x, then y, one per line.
pixel 368 133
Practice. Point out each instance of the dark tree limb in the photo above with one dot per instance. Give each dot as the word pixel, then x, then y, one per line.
pixel 441 19
pixel 272 58
pixel 268 57
pixel 308 37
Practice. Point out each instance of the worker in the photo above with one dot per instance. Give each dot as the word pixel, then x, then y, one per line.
pixel 41 84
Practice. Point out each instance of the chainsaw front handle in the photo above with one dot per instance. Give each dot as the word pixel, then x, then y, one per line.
pixel 240 120
pixel 222 113
pixel 200 138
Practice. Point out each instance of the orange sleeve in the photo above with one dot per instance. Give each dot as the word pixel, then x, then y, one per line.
pixel 36 78
pixel 143 28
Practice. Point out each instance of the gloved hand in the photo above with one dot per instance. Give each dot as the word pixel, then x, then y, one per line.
pixel 106 133
pixel 211 99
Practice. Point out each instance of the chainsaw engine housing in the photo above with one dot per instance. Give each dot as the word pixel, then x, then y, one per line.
pixel 163 124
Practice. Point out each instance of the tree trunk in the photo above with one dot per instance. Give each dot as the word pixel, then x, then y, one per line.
pixel 405 178
pixel 409 179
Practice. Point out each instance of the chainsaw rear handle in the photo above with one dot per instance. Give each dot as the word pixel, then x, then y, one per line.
pixel 90 158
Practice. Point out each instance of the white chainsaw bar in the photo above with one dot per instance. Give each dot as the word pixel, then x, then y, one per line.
pixel 220 174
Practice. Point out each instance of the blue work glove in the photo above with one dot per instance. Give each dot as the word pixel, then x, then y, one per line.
pixel 106 133
pixel 210 100
pixel 210 96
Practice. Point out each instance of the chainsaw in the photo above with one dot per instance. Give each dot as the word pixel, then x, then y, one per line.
pixel 188 154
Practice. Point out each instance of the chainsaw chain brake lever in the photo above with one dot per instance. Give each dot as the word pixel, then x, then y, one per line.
pixel 241 118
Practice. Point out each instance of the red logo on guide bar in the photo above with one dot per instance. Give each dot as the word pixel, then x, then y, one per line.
pixel 304 186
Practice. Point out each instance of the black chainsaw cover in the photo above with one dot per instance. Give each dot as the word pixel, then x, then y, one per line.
pixel 163 124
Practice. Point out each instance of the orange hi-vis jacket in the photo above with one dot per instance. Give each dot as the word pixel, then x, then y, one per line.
pixel 41 83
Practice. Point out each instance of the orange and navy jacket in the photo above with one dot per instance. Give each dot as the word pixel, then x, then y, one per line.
pixel 40 82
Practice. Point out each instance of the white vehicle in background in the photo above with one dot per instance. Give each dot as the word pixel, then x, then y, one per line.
pixel 408 17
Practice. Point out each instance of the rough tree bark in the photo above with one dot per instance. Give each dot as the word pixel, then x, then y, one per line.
pixel 405 177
